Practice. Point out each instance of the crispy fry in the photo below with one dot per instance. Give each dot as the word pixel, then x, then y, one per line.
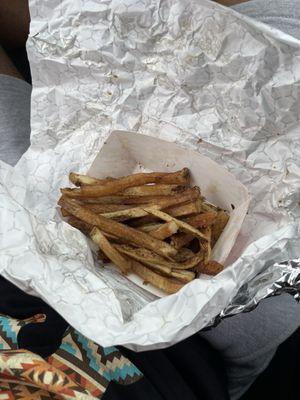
pixel 123 200
pixel 117 229
pixel 106 208
pixel 206 247
pixel 118 185
pixel 184 254
pixel 206 206
pixel 185 209
pixel 181 224
pixel 169 285
pixel 219 225
pixel 64 212
pixel 136 200
pixel 150 258
pixel 78 224
pixel 209 268
pixel 86 228
pixel 80 180
pixel 151 227
pixel 139 212
pixel 154 190
pixel 164 231
pixel 130 213
pixel 181 239
pixel 110 251
pixel 182 275
pixel 202 220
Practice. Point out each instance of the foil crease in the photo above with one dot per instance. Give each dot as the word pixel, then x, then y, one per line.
pixel 278 278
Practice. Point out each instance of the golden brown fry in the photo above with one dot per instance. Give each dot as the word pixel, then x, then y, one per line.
pixel 206 206
pixel 191 193
pixel 110 251
pixel 219 225
pixel 118 185
pixel 154 190
pixel 150 258
pixel 150 227
pixel 181 224
pixel 185 209
pixel 182 275
pixel 206 247
pixel 64 212
pixel 86 228
pixel 120 230
pixel 80 225
pixel 123 215
pixel 209 268
pixel 184 254
pixel 164 231
pixel 202 220
pixel 181 239
pixel 169 285
pixel 105 208
pixel 139 212
pixel 80 180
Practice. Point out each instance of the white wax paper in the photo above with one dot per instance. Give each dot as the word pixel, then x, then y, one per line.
pixel 187 71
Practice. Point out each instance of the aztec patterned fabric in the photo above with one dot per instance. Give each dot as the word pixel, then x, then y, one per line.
pixel 79 369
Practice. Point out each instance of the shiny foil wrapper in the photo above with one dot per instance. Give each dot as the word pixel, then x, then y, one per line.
pixel 190 72
pixel 279 278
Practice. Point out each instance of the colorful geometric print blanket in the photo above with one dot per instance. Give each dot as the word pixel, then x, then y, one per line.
pixel 80 369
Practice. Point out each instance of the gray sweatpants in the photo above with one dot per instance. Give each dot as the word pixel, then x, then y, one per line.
pixel 247 341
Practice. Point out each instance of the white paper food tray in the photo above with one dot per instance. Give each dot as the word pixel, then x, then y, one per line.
pixel 125 153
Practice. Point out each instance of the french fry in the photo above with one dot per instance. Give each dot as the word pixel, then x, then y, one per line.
pixel 185 209
pixel 118 185
pixel 106 208
pixel 169 285
pixel 164 231
pixel 181 239
pixel 182 275
pixel 184 254
pixel 80 225
pixel 123 200
pixel 218 226
pixel 64 212
pixel 209 268
pixel 120 230
pixel 110 251
pixel 130 213
pixel 139 212
pixel 80 180
pixel 151 227
pixel 154 190
pixel 150 258
pixel 202 220
pixel 137 200
pixel 206 247
pixel 181 224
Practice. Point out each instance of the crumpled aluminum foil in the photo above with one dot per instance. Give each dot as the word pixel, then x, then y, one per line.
pixel 186 71
pixel 276 279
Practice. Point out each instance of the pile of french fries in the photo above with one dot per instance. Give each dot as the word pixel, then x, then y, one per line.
pixel 152 224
